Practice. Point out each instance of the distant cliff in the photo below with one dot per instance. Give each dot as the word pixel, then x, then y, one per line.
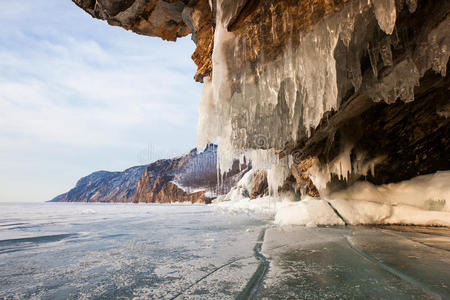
pixel 191 177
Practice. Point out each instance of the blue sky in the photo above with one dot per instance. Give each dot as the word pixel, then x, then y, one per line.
pixel 78 95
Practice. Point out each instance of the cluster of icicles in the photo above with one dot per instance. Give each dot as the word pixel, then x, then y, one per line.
pixel 293 92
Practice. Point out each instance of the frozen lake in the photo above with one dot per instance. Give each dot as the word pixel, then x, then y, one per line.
pixel 110 251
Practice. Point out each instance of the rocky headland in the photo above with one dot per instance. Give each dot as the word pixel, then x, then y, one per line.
pixel 188 178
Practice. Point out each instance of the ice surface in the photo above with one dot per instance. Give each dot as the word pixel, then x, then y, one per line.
pixel 124 251
pixel 329 263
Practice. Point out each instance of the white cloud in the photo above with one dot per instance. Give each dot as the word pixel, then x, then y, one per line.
pixel 14 9
pixel 69 82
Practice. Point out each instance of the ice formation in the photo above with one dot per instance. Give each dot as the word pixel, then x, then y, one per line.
pixel 399 83
pixel 386 14
pixel 253 110
pixel 283 96
pixel 343 167
pixel 436 51
pixel 276 99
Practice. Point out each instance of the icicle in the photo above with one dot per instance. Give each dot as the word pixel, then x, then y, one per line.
pixel 275 99
pixel 386 14
pixel 277 175
pixel 373 56
pixel 412 5
pixel 362 166
pixel 386 52
pixel 207 123
pixel 438 48
pixel 342 165
pixel 399 83
pixel 355 73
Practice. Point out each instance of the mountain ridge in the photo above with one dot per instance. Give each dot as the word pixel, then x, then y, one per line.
pixel 187 178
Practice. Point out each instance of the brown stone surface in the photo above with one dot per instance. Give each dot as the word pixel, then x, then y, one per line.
pixel 203 30
pixel 148 17
pixel 260 185
pixel 266 27
pixel 162 190
pixel 305 185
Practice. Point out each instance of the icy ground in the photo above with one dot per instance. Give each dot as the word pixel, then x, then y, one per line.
pixel 357 263
pixel 129 251
pixel 124 251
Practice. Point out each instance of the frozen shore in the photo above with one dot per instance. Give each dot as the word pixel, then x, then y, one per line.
pixel 423 201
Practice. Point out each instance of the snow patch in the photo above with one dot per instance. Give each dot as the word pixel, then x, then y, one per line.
pixel 427 192
pixel 309 212
pixel 263 206
pixel 188 190
pixel 247 180
pixel 366 213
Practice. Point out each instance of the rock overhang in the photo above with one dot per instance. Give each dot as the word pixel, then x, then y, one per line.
pixel 393 50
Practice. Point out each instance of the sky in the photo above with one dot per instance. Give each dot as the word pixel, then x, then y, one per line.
pixel 78 96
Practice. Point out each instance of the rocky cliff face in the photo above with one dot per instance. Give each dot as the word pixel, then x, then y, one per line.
pixel 320 93
pixel 169 20
pixel 188 178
